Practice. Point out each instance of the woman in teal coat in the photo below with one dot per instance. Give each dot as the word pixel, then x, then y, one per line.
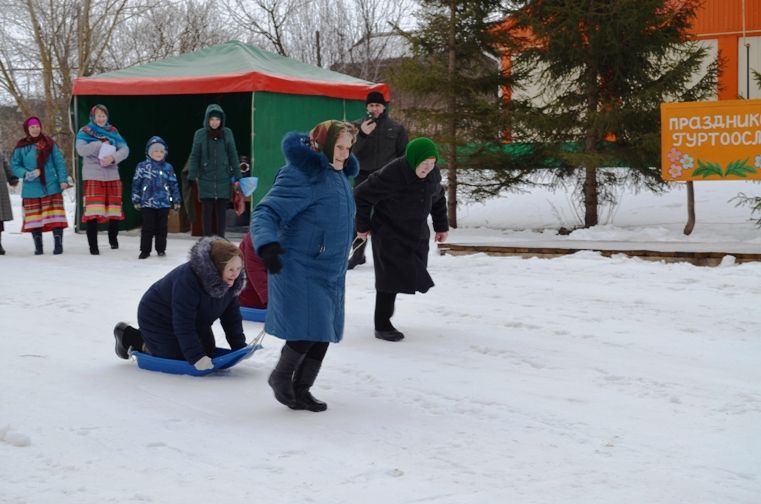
pixel 213 167
pixel 302 231
pixel 38 161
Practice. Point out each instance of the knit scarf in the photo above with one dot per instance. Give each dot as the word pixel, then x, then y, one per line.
pixel 92 133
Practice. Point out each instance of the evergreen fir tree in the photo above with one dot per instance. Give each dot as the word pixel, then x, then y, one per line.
pixel 602 68
pixel 454 77
pixel 742 199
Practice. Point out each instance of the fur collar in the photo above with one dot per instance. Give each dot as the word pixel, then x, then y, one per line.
pixel 298 153
pixel 206 271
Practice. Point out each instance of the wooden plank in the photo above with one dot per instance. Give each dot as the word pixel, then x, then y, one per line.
pixel 696 258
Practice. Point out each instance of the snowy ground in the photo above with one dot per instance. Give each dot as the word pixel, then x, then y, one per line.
pixel 579 379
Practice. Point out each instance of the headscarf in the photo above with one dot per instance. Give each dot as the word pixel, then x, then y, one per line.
pixel 420 149
pixel 43 143
pixel 323 137
pixel 94 133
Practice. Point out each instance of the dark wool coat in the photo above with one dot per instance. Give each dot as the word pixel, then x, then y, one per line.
pixel 6 177
pixel 386 143
pixel 176 313
pixel 213 162
pixel 310 211
pixel 394 204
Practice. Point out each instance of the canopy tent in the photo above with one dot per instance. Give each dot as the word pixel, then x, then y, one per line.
pixel 264 96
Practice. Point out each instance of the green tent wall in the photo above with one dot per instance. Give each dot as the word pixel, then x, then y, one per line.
pixel 264 96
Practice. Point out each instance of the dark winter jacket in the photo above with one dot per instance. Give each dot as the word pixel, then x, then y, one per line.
pixel 213 161
pixel 155 183
pixel 6 177
pixel 394 204
pixel 176 313
pixel 386 143
pixel 310 211
pixel 24 160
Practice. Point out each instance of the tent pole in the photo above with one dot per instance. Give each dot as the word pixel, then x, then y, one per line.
pixel 252 155
pixel 74 121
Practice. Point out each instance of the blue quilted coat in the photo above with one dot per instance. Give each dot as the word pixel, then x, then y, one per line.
pixel 155 183
pixel 176 313
pixel 310 211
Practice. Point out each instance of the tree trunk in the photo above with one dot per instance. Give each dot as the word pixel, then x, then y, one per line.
pixel 317 47
pixel 452 110
pixel 590 146
pixel 590 197
pixel 690 208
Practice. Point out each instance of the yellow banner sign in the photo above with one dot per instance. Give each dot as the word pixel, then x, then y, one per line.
pixel 719 140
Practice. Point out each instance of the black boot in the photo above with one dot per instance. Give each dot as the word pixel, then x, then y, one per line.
pixel 37 237
pixel 2 250
pixel 113 232
pixel 281 379
pixel 358 255
pixel 57 241
pixel 127 338
pixel 303 379
pixel 384 310
pixel 92 236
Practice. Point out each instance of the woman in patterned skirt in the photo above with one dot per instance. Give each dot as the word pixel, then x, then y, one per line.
pixel 38 161
pixel 102 149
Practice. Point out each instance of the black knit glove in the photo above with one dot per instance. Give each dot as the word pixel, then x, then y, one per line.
pixel 269 254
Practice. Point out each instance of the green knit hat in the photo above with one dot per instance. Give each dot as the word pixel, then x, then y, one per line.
pixel 419 150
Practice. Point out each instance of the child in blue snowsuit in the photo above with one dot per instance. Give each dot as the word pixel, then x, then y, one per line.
pixel 154 192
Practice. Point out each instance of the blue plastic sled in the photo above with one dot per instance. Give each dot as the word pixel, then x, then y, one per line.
pixel 224 358
pixel 253 314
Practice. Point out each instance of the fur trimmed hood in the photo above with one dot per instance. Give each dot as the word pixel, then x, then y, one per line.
pixel 206 271
pixel 298 153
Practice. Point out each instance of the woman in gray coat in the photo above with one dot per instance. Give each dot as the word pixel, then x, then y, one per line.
pixel 102 149
pixel 6 213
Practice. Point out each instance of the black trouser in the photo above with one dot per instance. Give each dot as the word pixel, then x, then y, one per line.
pixel 384 309
pixel 154 224
pixel 313 349
pixel 213 216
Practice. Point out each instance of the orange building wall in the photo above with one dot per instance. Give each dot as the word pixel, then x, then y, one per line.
pixel 724 17
pixel 722 20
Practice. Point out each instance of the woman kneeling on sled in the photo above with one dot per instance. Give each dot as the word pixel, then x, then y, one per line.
pixel 175 315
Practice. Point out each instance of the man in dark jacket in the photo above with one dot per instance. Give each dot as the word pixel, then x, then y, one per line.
pixel 380 141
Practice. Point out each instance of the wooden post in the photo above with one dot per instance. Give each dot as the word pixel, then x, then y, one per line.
pixel 690 208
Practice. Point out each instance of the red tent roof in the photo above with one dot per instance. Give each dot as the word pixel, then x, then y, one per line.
pixel 232 67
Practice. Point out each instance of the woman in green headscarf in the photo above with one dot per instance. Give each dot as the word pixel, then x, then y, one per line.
pixel 393 205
